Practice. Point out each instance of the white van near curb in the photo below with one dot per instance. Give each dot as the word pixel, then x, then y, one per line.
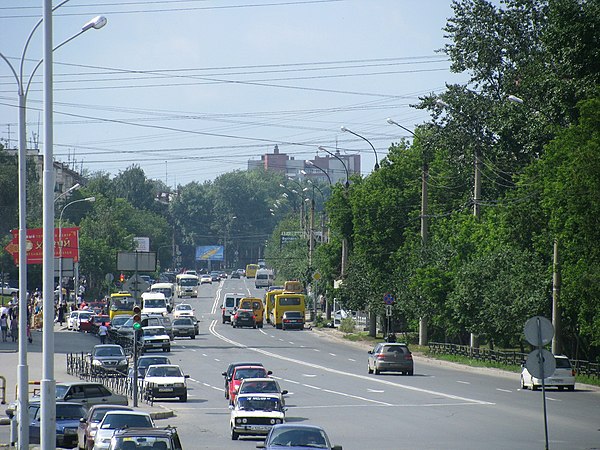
pixel 154 303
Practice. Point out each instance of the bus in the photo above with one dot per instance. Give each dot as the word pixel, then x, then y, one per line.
pixel 270 301
pixel 186 285
pixel 251 270
pixel 121 303
pixel 286 301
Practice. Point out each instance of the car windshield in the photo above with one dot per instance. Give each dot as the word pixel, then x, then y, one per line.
pixel 183 322
pixel 99 414
pixel 61 390
pixel 259 386
pixel 145 362
pixel 85 316
pixel 141 442
pixel 184 308
pixel 164 372
pixel 114 421
pixel 240 374
pixel 166 291
pixel 154 303
pixel 66 412
pixel 299 437
pixel 119 320
pixel 293 314
pixel 109 351
pixel 259 404
pixel 154 331
pixel 188 282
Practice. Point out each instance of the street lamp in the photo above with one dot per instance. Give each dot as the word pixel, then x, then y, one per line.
pixel 71 189
pixel 60 244
pixel 365 139
pixel 340 160
pixel 227 231
pixel 310 163
pixel 22 91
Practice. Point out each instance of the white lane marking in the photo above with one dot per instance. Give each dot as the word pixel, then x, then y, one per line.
pixel 350 359
pixel 310 375
pixel 281 339
pixel 316 350
pixel 312 387
pixel 333 354
pixel 263 332
pixel 553 399
pixel 462 382
pixel 378 391
pixel 204 354
pixel 357 397
pixel 303 346
pixel 348 374
pixel 291 381
pixel 194 350
pixel 503 390
pixel 217 360
pixel 290 342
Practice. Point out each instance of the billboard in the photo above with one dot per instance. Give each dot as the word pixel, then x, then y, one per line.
pixel 66 244
pixel 209 253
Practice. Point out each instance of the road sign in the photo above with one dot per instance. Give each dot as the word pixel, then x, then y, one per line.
pixel 388 310
pixel 388 299
pixel 317 276
pixel 538 331
pixel 541 360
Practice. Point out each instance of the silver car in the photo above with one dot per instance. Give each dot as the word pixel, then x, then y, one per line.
pixel 390 357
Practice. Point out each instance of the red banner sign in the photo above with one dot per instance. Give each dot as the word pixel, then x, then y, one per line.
pixel 66 244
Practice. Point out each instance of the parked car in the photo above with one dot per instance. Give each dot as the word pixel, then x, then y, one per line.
pixel 5 289
pixel 292 319
pixel 563 377
pixel 243 318
pixel 137 438
pixel 255 414
pixel 184 327
pixel 88 424
pixel 166 381
pixel 68 415
pixel 183 310
pixel 155 337
pixel 390 357
pixel 297 436
pixel 116 420
pixel 84 322
pixel 229 372
pixel 108 358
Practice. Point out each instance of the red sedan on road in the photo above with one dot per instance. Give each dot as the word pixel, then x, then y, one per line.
pixel 241 372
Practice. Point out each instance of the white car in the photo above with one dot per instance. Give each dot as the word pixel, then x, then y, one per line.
pixel 165 381
pixel 183 310
pixel 255 414
pixel 563 377
pixel 205 278
pixel 73 320
pixel 115 420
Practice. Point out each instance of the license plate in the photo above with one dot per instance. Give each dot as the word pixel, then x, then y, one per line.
pixel 258 428
pixel 165 389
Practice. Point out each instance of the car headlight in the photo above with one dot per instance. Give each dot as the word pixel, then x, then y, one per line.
pixel 178 384
pixel 278 421
pixel 165 340
pixel 123 361
pixel 95 362
pixel 272 421
pixel 92 433
pixel 244 420
pixel 238 420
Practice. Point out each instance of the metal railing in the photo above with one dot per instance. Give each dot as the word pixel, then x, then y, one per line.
pixel 506 357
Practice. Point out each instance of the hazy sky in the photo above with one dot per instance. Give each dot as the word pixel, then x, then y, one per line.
pixel 190 89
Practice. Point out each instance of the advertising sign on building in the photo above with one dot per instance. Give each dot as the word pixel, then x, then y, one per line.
pixel 209 253
pixel 66 244
pixel 142 244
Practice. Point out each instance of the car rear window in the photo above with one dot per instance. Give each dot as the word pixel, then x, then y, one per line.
pixel 395 348
pixel 563 363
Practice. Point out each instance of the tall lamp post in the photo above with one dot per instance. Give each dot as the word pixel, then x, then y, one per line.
pixel 340 160
pixel 346 130
pixel 312 164
pixel 227 231
pixel 60 244
pixel 22 91
pixel 424 225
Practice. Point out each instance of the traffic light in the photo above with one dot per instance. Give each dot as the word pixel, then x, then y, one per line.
pixel 137 318
pixel 122 277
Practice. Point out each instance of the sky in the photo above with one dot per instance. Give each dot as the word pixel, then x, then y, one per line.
pixel 191 89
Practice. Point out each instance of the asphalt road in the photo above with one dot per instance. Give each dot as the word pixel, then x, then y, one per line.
pixel 441 406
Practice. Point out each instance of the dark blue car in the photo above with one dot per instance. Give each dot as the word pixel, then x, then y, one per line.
pixel 297 437
pixel 67 421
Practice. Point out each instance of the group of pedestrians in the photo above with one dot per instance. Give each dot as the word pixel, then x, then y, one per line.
pixel 9 322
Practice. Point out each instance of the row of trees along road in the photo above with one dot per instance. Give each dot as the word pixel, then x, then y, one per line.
pixel 483 274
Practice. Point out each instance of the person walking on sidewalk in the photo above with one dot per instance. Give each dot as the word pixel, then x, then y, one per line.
pixel 102 332
pixel 4 326
pixel 14 328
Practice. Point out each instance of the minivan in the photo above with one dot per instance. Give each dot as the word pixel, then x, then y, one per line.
pixel 230 303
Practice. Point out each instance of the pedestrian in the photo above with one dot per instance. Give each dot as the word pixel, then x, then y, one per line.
pixel 102 332
pixel 14 329
pixel 62 310
pixel 4 326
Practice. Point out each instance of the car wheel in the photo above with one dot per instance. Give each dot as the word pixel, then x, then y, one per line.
pixel 224 320
pixel 234 435
pixel 193 336
pixel 523 383
pixel 254 326
pixel 369 369
pixel 377 372
pixel 233 324
pixel 183 398
pixel 410 373
pixel 534 387
pixel 571 387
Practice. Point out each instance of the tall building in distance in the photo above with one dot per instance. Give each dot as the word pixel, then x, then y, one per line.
pixel 314 170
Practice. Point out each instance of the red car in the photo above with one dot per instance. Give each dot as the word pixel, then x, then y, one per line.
pixel 85 321
pixel 97 321
pixel 241 372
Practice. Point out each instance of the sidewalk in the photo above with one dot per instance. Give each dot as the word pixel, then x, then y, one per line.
pixel 64 342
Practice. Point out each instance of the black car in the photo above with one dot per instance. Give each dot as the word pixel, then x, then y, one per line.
pixel 184 327
pixel 68 416
pixel 292 319
pixel 244 318
pixel 235 274
pixel 136 438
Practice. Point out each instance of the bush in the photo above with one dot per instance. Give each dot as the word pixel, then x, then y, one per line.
pixel 348 325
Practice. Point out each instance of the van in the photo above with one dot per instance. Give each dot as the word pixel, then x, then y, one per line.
pixel 269 302
pixel 231 302
pixel 256 305
pixel 154 303
pixel 168 290
pixel 186 285
pixel 286 301
pixel 264 278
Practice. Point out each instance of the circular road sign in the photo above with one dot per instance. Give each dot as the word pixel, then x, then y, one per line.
pixel 388 299
pixel 538 331
pixel 541 359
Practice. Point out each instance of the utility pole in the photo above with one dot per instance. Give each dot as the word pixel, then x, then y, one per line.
pixel 476 213
pixel 556 311
pixel 311 248
pixel 423 322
